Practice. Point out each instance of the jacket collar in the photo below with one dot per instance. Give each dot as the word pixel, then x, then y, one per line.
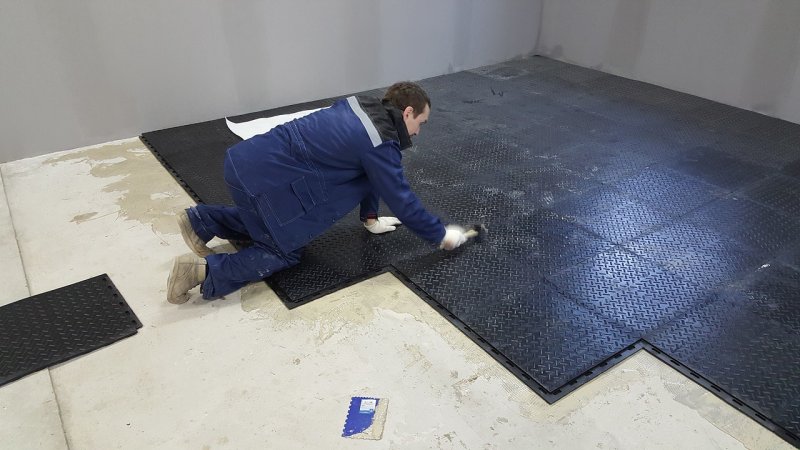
pixel 400 125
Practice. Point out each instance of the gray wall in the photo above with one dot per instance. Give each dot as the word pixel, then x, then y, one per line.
pixel 744 53
pixel 90 71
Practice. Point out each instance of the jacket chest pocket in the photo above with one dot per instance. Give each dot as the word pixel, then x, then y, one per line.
pixel 287 204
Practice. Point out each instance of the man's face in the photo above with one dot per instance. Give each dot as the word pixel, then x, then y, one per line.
pixel 413 124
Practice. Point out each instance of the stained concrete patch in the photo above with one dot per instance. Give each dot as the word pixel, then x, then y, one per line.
pixel 125 165
pixel 83 217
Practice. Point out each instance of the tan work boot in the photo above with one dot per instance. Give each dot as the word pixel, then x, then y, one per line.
pixel 187 272
pixel 191 238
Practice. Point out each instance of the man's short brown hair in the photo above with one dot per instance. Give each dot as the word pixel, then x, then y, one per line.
pixel 404 94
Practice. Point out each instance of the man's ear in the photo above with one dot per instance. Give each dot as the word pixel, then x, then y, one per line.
pixel 408 112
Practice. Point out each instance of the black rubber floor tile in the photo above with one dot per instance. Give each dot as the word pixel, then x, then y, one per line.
pixel 627 221
pixel 305 282
pixel 603 163
pixel 554 94
pixel 699 255
pixel 754 226
pixel 505 71
pixel 575 74
pixel 429 171
pixel 684 132
pixel 646 142
pixel 774 130
pixel 778 192
pixel 632 112
pixel 543 140
pixel 321 271
pixel 757 150
pixel 457 86
pixel 608 213
pixel 590 201
pixel 669 190
pixel 532 66
pixel 675 101
pixel 790 256
pixel 770 293
pixel 723 118
pixel 369 252
pixel 792 168
pixel 718 168
pixel 619 87
pixel 530 329
pixel 471 204
pixel 615 268
pixel 544 241
pixel 541 184
pixel 752 358
pixel 574 120
pixel 628 289
pixel 49 328
pixel 479 273
pixel 594 127
pixel 487 151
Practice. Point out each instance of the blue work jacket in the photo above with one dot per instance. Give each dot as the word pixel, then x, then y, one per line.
pixel 305 175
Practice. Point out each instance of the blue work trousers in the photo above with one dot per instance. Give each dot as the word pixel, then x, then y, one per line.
pixel 228 272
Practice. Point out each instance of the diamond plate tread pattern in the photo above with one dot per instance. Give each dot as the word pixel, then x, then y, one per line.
pixel 757 150
pixel 616 209
pixel 790 256
pixel 754 226
pixel 574 74
pixel 625 222
pixel 593 199
pixel 450 277
pixel 727 119
pixel 792 168
pixel 530 329
pixel 700 255
pixel 780 193
pixel 718 168
pixel 668 190
pixel 739 337
pixel 769 293
pixel 540 184
pixel 539 343
pixel 545 241
pixel 610 214
pixel 632 112
pixel 627 289
pixel 774 130
pixel 603 163
pixel 55 326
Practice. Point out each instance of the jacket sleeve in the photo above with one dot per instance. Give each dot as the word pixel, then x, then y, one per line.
pixel 369 207
pixel 383 165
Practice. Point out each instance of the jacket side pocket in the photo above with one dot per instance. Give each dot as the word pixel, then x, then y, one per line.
pixel 286 204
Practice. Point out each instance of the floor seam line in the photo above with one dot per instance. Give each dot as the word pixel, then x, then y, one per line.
pixel 58 405
pixel 14 230
pixel 28 287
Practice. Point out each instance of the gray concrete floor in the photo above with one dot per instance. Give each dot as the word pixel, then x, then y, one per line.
pixel 244 372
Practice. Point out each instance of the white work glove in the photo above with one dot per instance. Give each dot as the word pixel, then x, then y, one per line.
pixel 453 237
pixel 382 225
